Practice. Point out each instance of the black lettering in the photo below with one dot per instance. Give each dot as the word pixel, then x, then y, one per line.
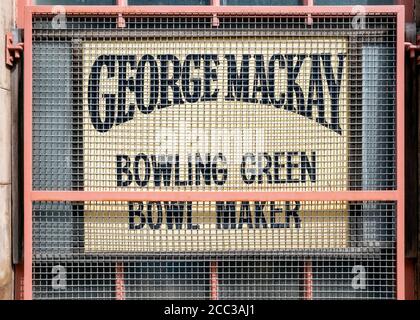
pixel 221 171
pixel 135 209
pixel 226 214
pixel 278 166
pixel 315 86
pixel 190 225
pixel 292 87
pixel 202 169
pixel 266 169
pixel 186 79
pixel 166 82
pixel 238 84
pixel 178 181
pixel 245 215
pixel 290 166
pixel 278 103
pixel 123 167
pixel 150 222
pixel 93 94
pixel 142 182
pixel 210 75
pixel 273 212
pixel 244 169
pixel 334 87
pixel 308 166
pixel 293 213
pixel 260 81
pixel 154 84
pixel 123 85
pixel 259 215
pixel 162 169
pixel 174 214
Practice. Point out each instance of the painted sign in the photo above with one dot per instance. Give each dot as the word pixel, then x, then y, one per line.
pixel 234 114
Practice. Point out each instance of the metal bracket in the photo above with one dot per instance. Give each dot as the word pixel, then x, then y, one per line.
pixel 309 19
pixel 414 49
pixel 121 21
pixel 13 50
pixel 215 20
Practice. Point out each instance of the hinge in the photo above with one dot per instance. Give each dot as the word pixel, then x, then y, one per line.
pixel 14 50
pixel 215 20
pixel 414 49
pixel 121 21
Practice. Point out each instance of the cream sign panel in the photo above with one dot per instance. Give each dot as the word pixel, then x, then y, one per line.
pixel 237 114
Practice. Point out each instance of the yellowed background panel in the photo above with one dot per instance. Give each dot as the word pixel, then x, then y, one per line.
pixel 197 127
pixel 323 225
pixel 233 128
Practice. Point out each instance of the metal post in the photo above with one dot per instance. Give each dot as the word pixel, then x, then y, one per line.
pixel 214 281
pixel 119 281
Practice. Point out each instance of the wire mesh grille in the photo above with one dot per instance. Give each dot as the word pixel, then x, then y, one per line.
pixel 174 104
pixel 166 104
pixel 94 244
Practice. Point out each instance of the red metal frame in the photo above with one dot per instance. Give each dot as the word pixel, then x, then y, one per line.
pixel 308 280
pixel 289 11
pixel 27 154
pixel 21 4
pixel 213 10
pixel 214 281
pixel 119 281
pixel 400 154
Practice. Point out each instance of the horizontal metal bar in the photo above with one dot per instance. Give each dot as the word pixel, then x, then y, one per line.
pixel 212 196
pixel 373 253
pixel 209 10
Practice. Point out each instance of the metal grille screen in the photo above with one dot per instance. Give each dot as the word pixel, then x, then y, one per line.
pixel 174 104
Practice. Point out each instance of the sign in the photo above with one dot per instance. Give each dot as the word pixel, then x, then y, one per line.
pixel 226 114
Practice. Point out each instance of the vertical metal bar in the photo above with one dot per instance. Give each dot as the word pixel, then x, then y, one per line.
pixel 20 12
pixel 119 281
pixel 213 264
pixel 308 280
pixel 411 132
pixel 17 158
pixel 309 3
pixel 214 281
pixel 19 282
pixel 28 156
pixel 215 20
pixel 400 155
pixel 121 20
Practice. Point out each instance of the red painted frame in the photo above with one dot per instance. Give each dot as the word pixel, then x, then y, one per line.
pixel 213 10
